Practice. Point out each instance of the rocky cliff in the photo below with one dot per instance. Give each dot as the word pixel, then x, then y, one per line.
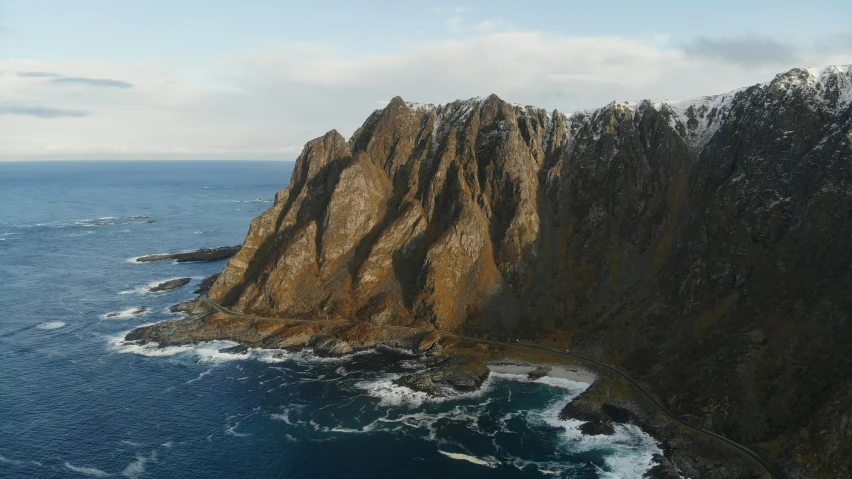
pixel 703 246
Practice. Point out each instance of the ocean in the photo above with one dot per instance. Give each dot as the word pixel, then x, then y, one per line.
pixel 77 402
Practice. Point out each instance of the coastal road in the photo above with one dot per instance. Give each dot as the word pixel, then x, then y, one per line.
pixel 532 346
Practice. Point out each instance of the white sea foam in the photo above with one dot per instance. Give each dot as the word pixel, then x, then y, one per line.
pixel 10 461
pixel 285 414
pixel 546 468
pixel 464 457
pixel 574 387
pixel 233 431
pixel 84 233
pixel 152 349
pixel 200 376
pixel 139 290
pixel 51 325
pixel 628 462
pixel 211 352
pixel 391 394
pixel 125 313
pixel 633 448
pixel 118 344
pixel 206 352
pixel 136 468
pixel 89 471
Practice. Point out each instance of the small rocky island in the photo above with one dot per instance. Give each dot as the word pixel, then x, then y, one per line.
pixel 169 285
pixel 201 255
pixel 131 312
pixel 698 246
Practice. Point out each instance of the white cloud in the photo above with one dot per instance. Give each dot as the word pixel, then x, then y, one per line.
pixel 267 103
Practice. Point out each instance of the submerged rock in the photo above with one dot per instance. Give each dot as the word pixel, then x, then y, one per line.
pixel 597 428
pixel 133 312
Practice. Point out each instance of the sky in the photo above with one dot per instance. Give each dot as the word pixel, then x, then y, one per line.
pixel 255 79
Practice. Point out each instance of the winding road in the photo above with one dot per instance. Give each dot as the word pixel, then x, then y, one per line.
pixel 531 346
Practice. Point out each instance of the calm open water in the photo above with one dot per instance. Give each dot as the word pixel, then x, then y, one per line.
pixel 75 402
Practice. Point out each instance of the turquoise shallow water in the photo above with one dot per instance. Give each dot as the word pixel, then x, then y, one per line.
pixel 75 402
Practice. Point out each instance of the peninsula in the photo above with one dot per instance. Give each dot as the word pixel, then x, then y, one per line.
pixel 701 248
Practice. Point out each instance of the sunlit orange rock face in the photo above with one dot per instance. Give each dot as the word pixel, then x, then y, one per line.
pixel 426 215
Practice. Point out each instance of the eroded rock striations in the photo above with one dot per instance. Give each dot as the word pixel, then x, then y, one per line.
pixel 704 245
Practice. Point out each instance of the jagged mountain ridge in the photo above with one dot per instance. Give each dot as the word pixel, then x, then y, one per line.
pixel 694 243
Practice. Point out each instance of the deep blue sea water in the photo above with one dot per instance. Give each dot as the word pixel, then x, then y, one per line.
pixel 76 402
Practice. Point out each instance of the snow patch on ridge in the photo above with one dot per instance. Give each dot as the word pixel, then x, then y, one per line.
pixel 696 120
pixel 420 107
pixel 829 87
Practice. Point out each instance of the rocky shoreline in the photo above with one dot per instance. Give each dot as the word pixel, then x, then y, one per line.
pixel 454 366
pixel 206 284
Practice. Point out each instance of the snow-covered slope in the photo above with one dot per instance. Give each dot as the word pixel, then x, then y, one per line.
pixel 696 120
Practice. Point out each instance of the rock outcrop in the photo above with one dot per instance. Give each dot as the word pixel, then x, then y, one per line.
pixel 704 245
pixel 169 285
pixel 206 284
pixel 197 256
